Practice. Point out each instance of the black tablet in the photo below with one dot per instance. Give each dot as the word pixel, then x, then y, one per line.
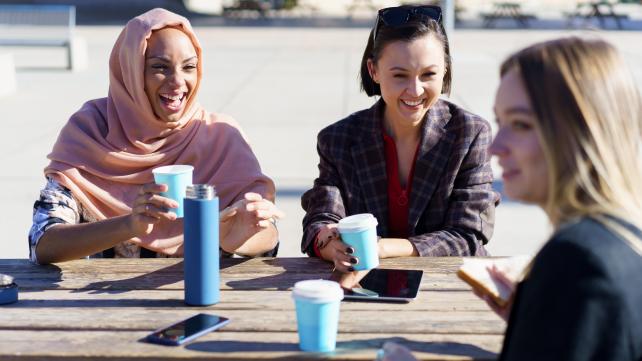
pixel 387 285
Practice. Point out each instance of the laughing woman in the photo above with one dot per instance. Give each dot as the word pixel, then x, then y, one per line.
pixel 418 163
pixel 100 199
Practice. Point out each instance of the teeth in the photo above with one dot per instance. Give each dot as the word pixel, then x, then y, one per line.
pixel 172 97
pixel 412 103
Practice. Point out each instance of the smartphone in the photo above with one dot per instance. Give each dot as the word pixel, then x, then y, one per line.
pixel 187 330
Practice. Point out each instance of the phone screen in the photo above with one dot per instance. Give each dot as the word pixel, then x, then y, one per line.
pixel 388 285
pixel 188 329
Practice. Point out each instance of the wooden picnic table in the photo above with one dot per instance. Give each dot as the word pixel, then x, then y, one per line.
pixel 103 308
pixel 600 9
pixel 507 10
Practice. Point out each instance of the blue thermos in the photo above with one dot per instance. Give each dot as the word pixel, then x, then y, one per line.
pixel 201 254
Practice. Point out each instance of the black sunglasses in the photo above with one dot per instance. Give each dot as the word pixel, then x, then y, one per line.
pixel 400 15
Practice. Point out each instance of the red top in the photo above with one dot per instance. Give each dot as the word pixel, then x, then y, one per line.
pixel 398 201
pixel 398 198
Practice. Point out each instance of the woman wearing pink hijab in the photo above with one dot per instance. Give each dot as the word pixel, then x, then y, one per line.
pixel 100 199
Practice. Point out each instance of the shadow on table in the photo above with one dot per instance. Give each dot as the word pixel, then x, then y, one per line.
pixel 149 281
pixel 116 303
pixel 47 280
pixel 242 346
pixel 348 347
pixel 441 348
pixel 294 270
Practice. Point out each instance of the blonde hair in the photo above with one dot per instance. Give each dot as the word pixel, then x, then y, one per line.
pixel 590 127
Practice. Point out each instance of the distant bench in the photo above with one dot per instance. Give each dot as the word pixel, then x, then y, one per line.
pixel 264 8
pixel 238 7
pixel 507 10
pixel 600 9
pixel 28 25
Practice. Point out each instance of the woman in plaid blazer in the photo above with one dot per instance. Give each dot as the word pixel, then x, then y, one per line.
pixel 418 163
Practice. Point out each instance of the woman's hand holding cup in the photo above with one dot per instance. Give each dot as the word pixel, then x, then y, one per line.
pixel 150 208
pixel 332 249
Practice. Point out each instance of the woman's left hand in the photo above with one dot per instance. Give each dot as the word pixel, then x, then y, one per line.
pixel 391 351
pixel 348 280
pixel 499 276
pixel 245 218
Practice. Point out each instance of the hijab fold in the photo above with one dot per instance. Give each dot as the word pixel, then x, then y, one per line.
pixel 108 148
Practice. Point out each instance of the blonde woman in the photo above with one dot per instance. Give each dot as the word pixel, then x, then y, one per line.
pixel 569 119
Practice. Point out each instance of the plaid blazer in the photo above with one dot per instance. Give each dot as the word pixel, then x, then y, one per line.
pixel 452 204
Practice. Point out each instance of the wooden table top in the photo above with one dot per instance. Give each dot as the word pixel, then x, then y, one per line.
pixel 103 308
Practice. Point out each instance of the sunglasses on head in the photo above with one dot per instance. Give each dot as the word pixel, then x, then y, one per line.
pixel 397 16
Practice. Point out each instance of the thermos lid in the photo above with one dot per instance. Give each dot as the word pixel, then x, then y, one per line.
pixel 200 191
pixel 5 280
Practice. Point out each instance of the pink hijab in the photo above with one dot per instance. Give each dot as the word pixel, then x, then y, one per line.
pixel 108 149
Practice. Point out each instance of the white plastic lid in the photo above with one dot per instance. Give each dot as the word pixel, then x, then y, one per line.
pixel 320 291
pixel 357 223
pixel 5 280
pixel 173 169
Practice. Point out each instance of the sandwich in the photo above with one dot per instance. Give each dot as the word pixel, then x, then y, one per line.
pixel 475 272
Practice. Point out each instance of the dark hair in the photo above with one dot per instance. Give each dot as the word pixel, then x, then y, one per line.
pixel 407 32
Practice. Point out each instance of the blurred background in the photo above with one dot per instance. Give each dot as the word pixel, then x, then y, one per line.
pixel 283 68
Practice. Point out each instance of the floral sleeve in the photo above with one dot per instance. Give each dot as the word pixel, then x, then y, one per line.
pixel 55 206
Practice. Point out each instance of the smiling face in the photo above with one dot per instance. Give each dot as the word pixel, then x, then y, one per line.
pixel 410 75
pixel 517 144
pixel 171 73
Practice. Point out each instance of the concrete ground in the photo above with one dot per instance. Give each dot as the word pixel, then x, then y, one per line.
pixel 282 84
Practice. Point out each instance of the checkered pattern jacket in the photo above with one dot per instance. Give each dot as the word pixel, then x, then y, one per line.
pixel 452 204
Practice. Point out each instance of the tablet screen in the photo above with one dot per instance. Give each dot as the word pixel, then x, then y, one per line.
pixel 387 285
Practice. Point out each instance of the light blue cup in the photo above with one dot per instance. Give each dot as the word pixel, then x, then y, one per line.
pixel 177 178
pixel 317 314
pixel 360 232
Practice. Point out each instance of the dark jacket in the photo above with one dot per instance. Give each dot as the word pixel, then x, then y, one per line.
pixel 452 204
pixel 581 301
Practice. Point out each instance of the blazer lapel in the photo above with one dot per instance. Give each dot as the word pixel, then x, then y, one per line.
pixel 432 159
pixel 368 155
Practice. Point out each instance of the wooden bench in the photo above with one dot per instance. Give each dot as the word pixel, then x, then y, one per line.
pixel 264 8
pixel 242 6
pixel 600 9
pixel 507 10
pixel 38 26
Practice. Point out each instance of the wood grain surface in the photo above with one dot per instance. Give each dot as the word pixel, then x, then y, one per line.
pixel 103 308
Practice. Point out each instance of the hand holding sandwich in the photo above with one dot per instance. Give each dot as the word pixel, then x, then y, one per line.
pixel 499 276
pixel 495 280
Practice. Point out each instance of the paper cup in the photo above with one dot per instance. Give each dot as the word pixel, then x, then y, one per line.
pixel 360 232
pixel 317 314
pixel 177 178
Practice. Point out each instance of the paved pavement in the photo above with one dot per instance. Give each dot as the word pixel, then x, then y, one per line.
pixel 283 84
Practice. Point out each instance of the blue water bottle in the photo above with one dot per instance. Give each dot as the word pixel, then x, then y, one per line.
pixel 201 254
